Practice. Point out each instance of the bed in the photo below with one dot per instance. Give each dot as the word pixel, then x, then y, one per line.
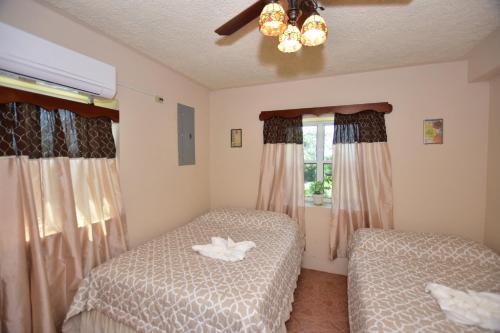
pixel 388 271
pixel 164 286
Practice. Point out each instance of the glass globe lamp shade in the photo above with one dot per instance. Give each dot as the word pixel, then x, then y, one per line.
pixel 314 31
pixel 272 20
pixel 289 40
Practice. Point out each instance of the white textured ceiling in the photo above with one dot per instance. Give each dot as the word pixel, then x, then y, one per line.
pixel 364 35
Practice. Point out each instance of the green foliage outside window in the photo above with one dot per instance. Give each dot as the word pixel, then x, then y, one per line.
pixel 309 136
pixel 318 144
pixel 309 177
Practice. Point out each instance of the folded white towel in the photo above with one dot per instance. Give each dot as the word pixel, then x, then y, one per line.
pixel 470 308
pixel 223 249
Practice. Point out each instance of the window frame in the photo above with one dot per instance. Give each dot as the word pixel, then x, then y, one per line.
pixel 320 151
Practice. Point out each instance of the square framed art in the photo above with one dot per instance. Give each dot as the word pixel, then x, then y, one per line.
pixel 433 131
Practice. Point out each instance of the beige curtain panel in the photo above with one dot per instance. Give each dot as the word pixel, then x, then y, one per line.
pixel 362 178
pixel 61 216
pixel 281 185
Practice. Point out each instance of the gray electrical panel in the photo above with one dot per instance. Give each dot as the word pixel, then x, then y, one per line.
pixel 185 134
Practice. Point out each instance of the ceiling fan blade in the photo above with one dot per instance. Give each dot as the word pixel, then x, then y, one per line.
pixel 242 19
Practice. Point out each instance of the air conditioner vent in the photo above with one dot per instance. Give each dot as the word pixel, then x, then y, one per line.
pixel 35 58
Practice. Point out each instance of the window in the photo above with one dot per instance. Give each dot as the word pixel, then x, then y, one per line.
pixel 318 144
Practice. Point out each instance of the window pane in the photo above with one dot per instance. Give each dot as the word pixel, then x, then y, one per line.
pixel 327 176
pixel 309 177
pixel 310 142
pixel 328 142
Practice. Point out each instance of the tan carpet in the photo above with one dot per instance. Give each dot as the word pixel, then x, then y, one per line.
pixel 320 304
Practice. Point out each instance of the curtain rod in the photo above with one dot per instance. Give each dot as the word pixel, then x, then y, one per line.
pixel 9 95
pixel 383 107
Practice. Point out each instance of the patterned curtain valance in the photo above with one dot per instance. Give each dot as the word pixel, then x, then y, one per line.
pixel 29 130
pixel 283 130
pixel 9 95
pixel 365 126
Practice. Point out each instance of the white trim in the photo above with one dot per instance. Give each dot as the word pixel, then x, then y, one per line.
pixel 320 124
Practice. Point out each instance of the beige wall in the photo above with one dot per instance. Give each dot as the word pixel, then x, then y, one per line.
pixel 484 59
pixel 437 188
pixel 158 194
pixel 492 229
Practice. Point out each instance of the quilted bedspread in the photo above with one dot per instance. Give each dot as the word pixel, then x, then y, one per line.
pixel 164 286
pixel 388 271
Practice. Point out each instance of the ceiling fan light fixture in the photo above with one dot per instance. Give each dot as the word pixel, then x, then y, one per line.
pixel 272 19
pixel 289 40
pixel 314 30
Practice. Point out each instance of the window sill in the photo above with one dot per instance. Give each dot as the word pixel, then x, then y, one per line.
pixel 310 204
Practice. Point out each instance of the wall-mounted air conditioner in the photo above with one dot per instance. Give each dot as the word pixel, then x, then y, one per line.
pixel 27 55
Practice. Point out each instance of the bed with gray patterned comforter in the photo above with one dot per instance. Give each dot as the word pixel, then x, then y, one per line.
pixel 164 286
pixel 388 271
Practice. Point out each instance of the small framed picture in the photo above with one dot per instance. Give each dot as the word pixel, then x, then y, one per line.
pixel 433 131
pixel 236 138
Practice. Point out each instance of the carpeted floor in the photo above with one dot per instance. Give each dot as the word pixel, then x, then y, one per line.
pixel 320 304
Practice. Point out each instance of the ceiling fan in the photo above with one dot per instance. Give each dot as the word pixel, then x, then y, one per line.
pixel 300 25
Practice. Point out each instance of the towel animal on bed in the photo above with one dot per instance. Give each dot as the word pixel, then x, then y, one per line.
pixel 470 308
pixel 224 249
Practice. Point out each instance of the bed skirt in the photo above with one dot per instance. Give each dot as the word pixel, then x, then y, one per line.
pixel 95 321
